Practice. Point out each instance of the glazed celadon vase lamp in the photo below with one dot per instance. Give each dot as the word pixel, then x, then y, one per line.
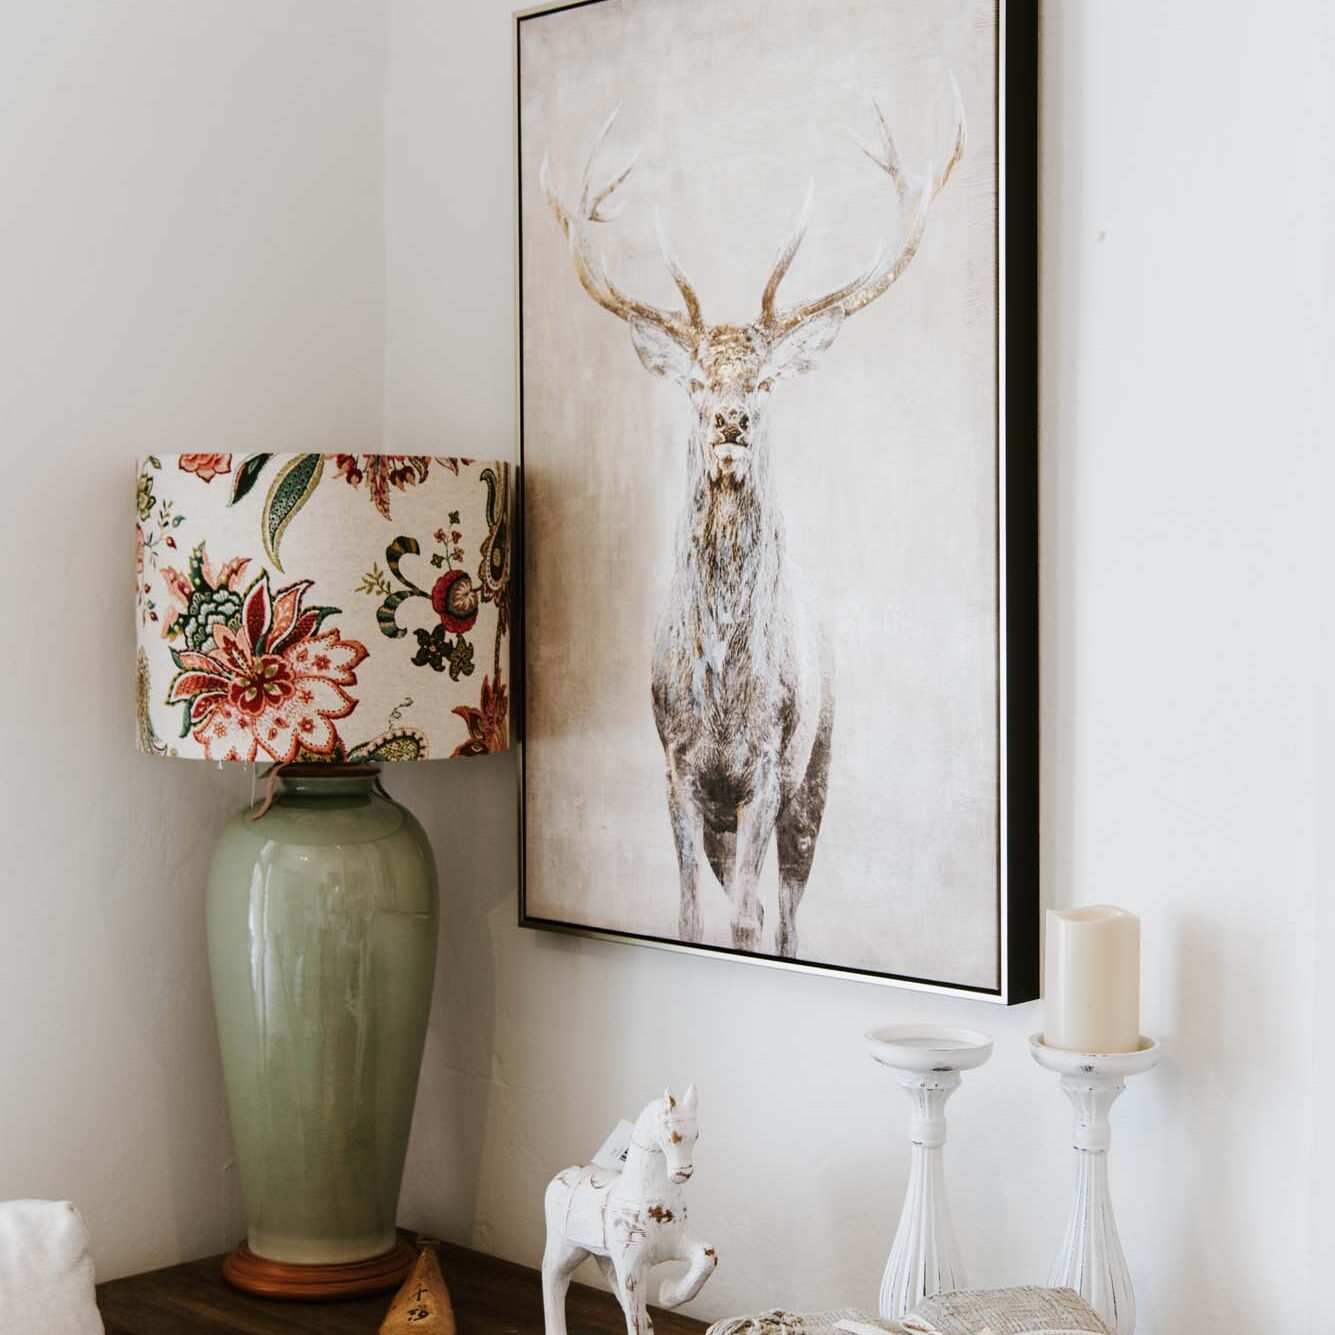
pixel 323 615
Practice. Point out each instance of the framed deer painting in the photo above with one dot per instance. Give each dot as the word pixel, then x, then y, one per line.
pixel 778 430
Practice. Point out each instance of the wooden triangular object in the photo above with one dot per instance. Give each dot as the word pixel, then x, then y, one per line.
pixel 422 1306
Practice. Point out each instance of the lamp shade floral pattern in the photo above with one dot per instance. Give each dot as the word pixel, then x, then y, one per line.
pixel 281 618
pixel 272 684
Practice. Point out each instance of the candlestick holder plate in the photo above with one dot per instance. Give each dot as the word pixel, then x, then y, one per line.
pixel 928 1060
pixel 1091 1260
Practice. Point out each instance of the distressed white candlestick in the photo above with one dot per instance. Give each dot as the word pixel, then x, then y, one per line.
pixel 1091 1260
pixel 928 1060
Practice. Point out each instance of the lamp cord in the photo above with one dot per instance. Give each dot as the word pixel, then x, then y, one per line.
pixel 272 777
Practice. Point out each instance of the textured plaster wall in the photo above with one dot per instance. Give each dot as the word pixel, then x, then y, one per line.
pixel 190 258
pixel 1187 330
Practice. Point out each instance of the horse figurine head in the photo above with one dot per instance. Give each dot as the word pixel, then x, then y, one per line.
pixel 670 1127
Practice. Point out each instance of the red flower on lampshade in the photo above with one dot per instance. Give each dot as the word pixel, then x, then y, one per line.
pixel 205 466
pixel 456 601
pixel 271 683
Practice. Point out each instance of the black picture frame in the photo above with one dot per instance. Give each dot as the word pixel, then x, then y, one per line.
pixel 1017 50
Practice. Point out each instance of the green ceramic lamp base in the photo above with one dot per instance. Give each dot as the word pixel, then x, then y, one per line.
pixel 322 926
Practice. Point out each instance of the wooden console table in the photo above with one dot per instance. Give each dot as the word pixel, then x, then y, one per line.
pixel 490 1297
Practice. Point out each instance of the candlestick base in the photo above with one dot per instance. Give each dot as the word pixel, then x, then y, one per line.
pixel 928 1059
pixel 1091 1260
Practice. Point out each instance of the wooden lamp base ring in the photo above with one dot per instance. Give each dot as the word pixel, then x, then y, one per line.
pixel 318 1283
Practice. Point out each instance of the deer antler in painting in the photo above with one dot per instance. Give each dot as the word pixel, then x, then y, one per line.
pixel 596 206
pixel 886 265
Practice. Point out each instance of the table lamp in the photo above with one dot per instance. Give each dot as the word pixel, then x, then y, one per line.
pixel 323 614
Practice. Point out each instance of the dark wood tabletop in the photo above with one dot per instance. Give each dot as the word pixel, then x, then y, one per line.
pixel 490 1297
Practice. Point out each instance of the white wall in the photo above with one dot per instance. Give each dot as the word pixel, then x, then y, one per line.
pixel 190 258
pixel 193 257
pixel 1187 208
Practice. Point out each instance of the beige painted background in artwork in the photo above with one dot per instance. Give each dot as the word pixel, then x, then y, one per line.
pixel 884 456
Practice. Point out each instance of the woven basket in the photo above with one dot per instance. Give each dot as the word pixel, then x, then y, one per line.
pixel 1023 1311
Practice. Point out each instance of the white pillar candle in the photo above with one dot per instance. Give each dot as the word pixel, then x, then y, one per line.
pixel 1091 983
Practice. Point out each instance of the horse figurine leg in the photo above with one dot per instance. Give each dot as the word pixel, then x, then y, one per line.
pixel 703 1258
pixel 559 1262
pixel 631 1266
pixel 560 1257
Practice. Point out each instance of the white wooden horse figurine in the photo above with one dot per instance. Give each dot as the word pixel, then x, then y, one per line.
pixel 630 1220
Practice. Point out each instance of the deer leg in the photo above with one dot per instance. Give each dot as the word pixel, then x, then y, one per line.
pixel 703 1259
pixel 686 833
pixel 755 828
pixel 795 835
pixel 721 852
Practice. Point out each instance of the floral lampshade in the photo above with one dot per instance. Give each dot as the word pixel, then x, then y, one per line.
pixel 323 607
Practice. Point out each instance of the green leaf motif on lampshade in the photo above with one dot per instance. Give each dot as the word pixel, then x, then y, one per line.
pixel 291 489
pixel 149 741
pixel 399 744
pixel 247 475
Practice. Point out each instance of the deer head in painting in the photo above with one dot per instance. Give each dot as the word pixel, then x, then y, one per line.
pixel 729 371
pixel 742 680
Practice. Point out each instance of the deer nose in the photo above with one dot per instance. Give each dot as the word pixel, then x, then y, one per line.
pixel 731 424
